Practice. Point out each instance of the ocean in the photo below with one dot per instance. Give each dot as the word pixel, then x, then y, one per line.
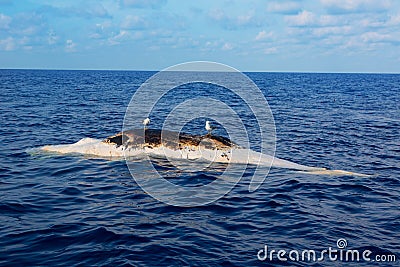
pixel 68 210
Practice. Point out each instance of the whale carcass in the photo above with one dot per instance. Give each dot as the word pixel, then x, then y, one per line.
pixel 164 143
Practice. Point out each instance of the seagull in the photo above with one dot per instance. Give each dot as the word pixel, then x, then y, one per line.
pixel 146 122
pixel 209 128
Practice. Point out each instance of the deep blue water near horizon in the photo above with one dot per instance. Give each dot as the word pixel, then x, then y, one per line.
pixel 76 210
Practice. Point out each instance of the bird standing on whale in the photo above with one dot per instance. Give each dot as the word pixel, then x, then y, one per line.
pixel 146 122
pixel 209 128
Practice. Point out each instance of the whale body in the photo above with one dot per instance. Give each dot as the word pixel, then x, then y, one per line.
pixel 163 143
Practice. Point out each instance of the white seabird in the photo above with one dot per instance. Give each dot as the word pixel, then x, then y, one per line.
pixel 208 127
pixel 146 122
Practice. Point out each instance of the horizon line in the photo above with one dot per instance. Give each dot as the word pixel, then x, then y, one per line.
pixel 244 71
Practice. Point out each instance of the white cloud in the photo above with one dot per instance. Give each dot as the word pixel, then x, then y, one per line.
pixel 211 45
pixel 356 5
pixel 4 21
pixel 333 41
pixel 102 30
pixel 284 7
pixel 70 46
pixel 328 20
pixel 270 50
pixel 183 42
pixel 30 30
pixel 332 30
pixel 353 33
pixel 227 46
pixel 394 20
pixel 370 41
pixel 85 10
pixel 305 18
pixel 134 22
pixel 31 24
pixel 124 36
pixel 216 14
pixel 372 23
pixel 375 37
pixel 52 38
pixel 7 44
pixel 263 35
pixel 154 48
pixel 235 22
pixel 143 3
pixel 162 30
pixel 244 19
pixel 98 11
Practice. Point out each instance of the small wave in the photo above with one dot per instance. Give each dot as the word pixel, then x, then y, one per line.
pixel 18 208
pixel 71 191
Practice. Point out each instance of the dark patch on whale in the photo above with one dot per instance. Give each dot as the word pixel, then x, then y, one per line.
pixel 137 138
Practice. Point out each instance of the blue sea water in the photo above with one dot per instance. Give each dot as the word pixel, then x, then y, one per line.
pixel 76 210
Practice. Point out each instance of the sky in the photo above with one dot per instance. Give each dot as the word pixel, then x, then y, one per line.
pixel 281 35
